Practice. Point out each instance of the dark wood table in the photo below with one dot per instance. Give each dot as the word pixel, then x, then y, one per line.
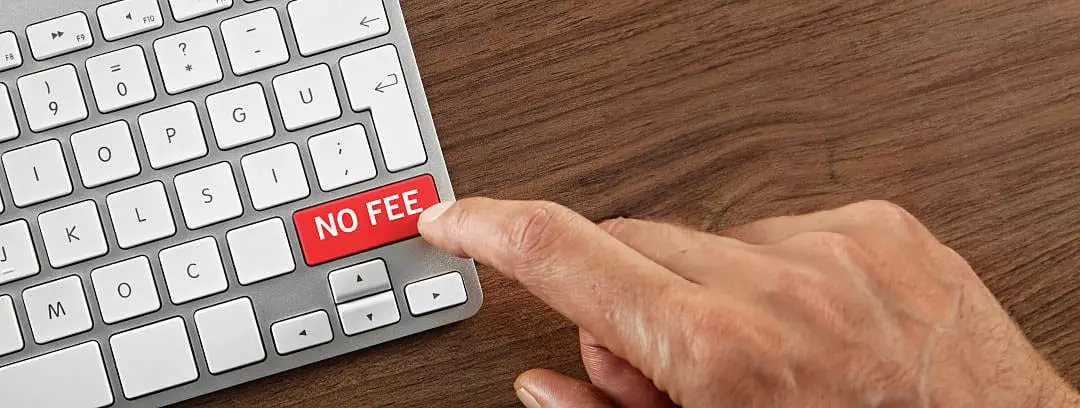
pixel 714 113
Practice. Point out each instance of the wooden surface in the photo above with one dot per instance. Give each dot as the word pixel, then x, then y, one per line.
pixel 714 113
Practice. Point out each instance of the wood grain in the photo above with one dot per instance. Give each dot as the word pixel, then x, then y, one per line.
pixel 714 113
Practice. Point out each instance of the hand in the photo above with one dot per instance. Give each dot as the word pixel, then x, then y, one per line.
pixel 854 307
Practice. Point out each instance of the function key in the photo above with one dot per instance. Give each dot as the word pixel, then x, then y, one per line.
pixel 126 18
pixel 322 25
pixel 10 56
pixel 184 10
pixel 59 36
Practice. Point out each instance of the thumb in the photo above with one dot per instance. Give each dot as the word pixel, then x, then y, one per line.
pixel 540 388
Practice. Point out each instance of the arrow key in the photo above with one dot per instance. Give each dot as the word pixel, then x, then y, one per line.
pixel 369 313
pixel 359 281
pixel 435 294
pixel 301 332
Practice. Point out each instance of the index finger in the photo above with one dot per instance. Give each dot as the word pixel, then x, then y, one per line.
pixel 565 260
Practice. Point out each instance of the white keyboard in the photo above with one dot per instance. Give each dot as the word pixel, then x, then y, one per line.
pixel 199 193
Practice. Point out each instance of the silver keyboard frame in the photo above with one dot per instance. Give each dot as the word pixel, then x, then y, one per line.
pixel 304 290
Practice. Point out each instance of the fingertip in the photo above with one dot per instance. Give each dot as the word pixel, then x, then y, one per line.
pixel 542 388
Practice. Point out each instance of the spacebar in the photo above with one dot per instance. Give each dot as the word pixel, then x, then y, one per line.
pixel 72 377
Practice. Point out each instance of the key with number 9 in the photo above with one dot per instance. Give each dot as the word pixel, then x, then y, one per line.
pixel 52 98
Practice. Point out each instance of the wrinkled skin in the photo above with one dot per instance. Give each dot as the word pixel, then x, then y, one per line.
pixel 855 307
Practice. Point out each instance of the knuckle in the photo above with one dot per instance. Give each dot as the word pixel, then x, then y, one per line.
pixel 887 212
pixel 533 231
pixel 829 242
pixel 615 226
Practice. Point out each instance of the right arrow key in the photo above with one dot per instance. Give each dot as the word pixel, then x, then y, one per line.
pixel 438 293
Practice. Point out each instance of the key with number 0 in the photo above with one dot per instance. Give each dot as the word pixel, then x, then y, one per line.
pixel 52 98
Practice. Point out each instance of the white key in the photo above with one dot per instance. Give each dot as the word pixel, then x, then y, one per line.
pixel 229 335
pixel 105 154
pixel 260 251
pixel 307 97
pixel 10 333
pixel 208 195
pixel 9 128
pixel 18 259
pixel 125 290
pixel 342 157
pixel 188 9
pixel 57 309
pixel 240 116
pixel 369 313
pixel 120 79
pixel 141 214
pixel 33 382
pixel 434 294
pixel 126 18
pixel 359 281
pixel 193 270
pixel 72 234
pixel 10 56
pixel 172 135
pixel 154 357
pixel 254 41
pixel 59 36
pixel 275 176
pixel 374 81
pixel 322 25
pixel 187 60
pixel 37 173
pixel 52 98
pixel 301 332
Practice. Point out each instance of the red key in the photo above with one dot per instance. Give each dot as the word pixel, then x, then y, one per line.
pixel 364 221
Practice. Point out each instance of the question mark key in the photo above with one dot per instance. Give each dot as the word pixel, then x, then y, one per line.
pixel 188 60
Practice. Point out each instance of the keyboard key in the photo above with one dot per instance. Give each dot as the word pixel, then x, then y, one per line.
pixel 322 25
pixel 188 60
pixel 302 332
pixel 184 10
pixel 125 290
pixel 141 214
pixel 435 294
pixel 375 82
pixel 364 221
pixel 229 335
pixel 105 154
pixel 208 195
pixel 120 79
pixel 57 309
pixel 126 18
pixel 34 382
pixel 342 157
pixel 359 281
pixel 307 97
pixel 369 313
pixel 72 234
pixel 275 177
pixel 10 333
pixel 59 36
pixel 9 128
pixel 52 98
pixel 10 56
pixel 240 116
pixel 260 251
pixel 37 173
pixel 154 357
pixel 193 270
pixel 254 41
pixel 172 135
pixel 18 259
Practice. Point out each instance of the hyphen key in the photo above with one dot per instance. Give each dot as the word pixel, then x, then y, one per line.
pixel 364 221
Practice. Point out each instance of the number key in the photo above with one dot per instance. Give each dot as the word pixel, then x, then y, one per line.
pixel 52 98
pixel 120 79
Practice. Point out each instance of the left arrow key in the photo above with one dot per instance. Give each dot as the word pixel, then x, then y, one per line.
pixel 301 332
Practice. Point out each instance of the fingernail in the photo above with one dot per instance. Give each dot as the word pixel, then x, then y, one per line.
pixel 433 213
pixel 527 399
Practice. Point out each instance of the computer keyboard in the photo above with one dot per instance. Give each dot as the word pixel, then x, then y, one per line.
pixel 199 193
